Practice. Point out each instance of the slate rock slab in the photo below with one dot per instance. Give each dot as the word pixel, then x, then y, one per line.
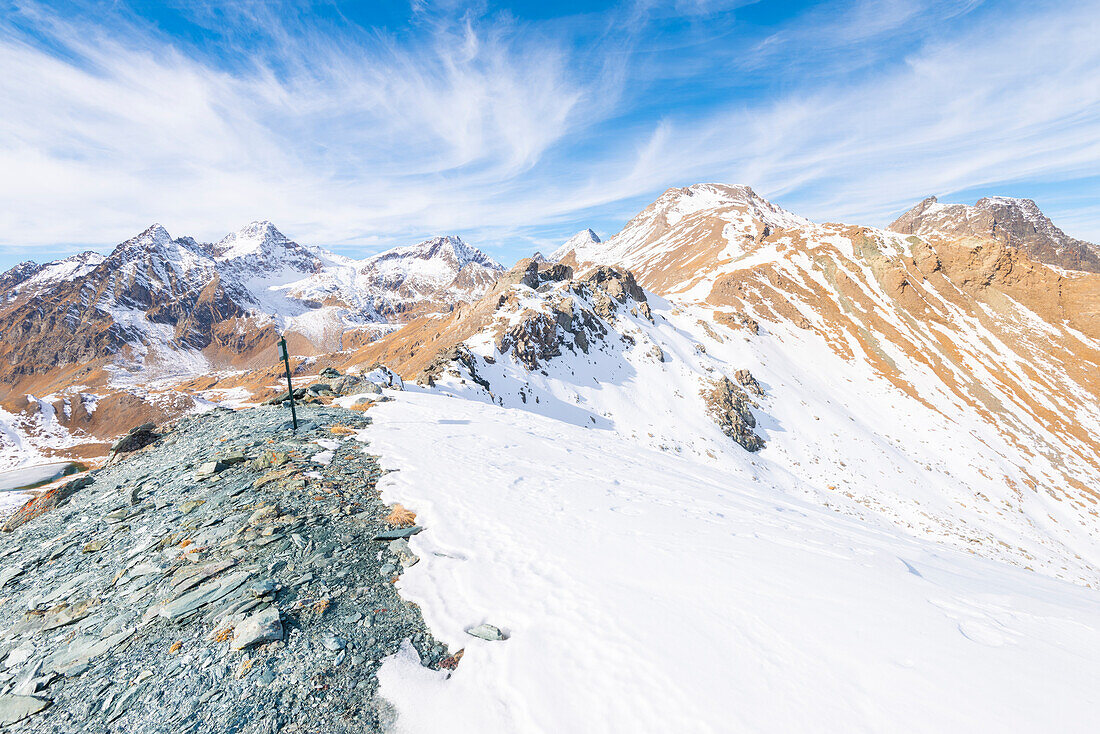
pixel 398 533
pixel 486 632
pixel 16 708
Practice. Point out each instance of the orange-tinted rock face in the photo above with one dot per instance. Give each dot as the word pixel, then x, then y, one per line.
pixel 1017 223
pixel 970 317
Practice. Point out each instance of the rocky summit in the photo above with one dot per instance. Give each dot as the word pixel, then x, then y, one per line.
pixel 233 576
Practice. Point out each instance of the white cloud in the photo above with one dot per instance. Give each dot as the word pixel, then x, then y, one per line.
pixel 338 139
pixel 1001 103
pixel 495 127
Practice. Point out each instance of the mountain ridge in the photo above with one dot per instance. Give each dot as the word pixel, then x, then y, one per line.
pixel 946 331
pixel 254 273
pixel 959 340
pixel 1019 223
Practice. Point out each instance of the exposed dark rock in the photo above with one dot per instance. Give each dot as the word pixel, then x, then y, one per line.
pixel 153 603
pixel 747 381
pixel 299 393
pixel 532 340
pixel 730 407
pixel 136 438
pixel 459 353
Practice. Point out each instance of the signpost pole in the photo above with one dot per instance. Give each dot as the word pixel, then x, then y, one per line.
pixel 289 387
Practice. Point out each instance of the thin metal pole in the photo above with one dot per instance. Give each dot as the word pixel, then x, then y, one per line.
pixel 289 386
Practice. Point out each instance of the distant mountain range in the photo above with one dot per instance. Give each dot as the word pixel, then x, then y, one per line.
pixel 942 374
pixel 167 303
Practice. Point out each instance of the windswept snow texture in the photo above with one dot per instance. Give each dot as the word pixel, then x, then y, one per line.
pixel 643 591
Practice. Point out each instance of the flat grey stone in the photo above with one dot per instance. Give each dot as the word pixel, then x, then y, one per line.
pixel 262 588
pixel 398 533
pixel 208 593
pixel 18 656
pixel 333 643
pixel 263 626
pixel 209 469
pixel 84 650
pixel 486 632
pixel 16 708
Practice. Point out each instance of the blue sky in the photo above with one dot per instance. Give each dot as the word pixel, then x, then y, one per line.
pixel 359 126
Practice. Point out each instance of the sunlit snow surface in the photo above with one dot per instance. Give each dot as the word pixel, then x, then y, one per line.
pixel 644 591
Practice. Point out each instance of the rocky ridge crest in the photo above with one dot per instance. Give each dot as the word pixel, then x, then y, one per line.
pixel 232 576
pixel 1018 223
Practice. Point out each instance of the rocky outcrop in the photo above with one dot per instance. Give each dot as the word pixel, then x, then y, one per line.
pixel 458 355
pixel 574 317
pixel 251 599
pixel 136 438
pixel 746 380
pixel 45 502
pixel 1018 223
pixel 728 404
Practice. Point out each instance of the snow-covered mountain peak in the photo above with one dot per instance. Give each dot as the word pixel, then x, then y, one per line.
pixel 1026 210
pixel 255 238
pixel 1016 222
pixel 583 240
pixel 155 252
pixel 153 236
pixel 678 203
pixel 448 249
pixel 688 233
pixel 29 277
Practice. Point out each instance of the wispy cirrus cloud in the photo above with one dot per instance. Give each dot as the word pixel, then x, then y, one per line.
pixel 515 131
pixel 341 136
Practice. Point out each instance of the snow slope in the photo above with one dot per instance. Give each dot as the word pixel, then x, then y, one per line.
pixel 648 591
pixel 864 571
pixel 836 432
pixel 949 386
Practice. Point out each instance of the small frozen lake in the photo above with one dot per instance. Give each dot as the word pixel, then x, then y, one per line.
pixel 29 476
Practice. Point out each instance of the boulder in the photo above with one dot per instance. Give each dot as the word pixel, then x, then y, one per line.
pixel 263 626
pixel 299 393
pixel 136 438
pixel 210 468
